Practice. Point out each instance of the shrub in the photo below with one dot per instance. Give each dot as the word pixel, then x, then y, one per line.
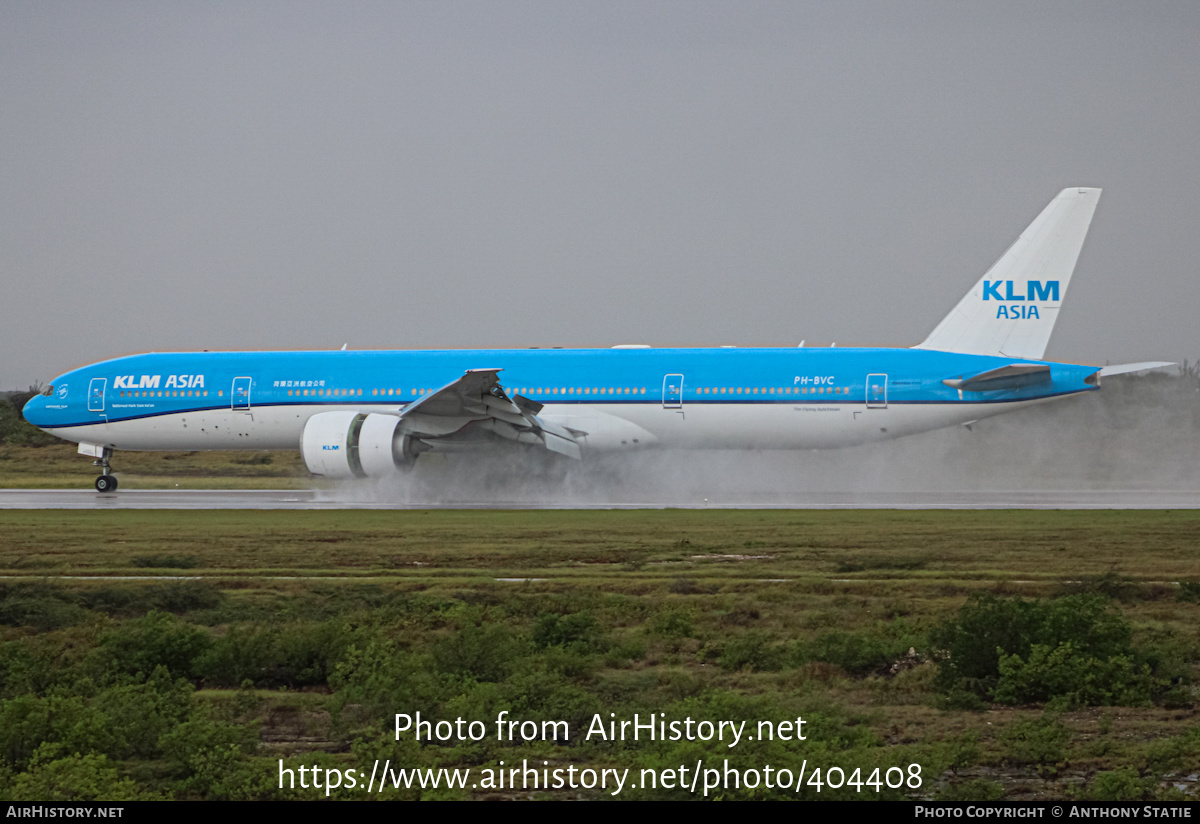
pixel 1120 785
pixel 293 655
pixel 375 678
pixel 577 631
pixel 28 722
pixel 140 714
pixel 158 638
pixel 673 623
pixel 213 759
pixel 988 630
pixel 1041 742
pixel 858 653
pixel 485 652
pixel 1081 679
pixel 37 605
pixel 244 653
pixel 1111 584
pixel 863 652
pixel 139 599
pixel 1189 592
pixel 54 776
pixel 753 650
pixel 50 661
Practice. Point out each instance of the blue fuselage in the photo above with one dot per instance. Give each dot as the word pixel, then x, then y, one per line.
pixel 756 398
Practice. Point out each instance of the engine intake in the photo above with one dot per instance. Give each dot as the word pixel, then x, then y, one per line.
pixel 355 445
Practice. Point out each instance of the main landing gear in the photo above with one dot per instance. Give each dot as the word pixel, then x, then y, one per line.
pixel 107 482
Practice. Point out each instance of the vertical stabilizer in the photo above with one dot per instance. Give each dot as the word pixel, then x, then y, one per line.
pixel 1012 309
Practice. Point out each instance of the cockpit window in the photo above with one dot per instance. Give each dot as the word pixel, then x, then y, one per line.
pixel 48 391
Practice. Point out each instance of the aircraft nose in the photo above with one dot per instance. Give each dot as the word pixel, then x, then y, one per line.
pixel 34 410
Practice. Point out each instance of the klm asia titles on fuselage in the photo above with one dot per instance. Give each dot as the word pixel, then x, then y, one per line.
pixel 153 381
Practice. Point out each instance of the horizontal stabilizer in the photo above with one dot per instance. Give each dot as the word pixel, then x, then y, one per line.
pixel 1124 369
pixel 1011 311
pixel 1013 376
pixel 1127 368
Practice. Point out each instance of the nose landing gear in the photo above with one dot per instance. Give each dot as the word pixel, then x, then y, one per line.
pixel 107 482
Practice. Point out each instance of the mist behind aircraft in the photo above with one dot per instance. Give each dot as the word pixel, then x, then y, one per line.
pixel 1140 433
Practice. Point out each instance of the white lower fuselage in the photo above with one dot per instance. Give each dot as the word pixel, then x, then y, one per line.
pixel 610 427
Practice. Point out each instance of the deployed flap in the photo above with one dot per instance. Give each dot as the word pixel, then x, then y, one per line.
pixel 526 405
pixel 1013 376
pixel 475 410
pixel 1012 309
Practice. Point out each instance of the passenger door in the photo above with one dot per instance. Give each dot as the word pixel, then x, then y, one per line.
pixel 672 391
pixel 240 397
pixel 96 394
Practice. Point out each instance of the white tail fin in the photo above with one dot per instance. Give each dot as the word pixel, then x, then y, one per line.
pixel 1012 309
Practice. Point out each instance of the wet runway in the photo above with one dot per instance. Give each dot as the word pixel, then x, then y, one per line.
pixel 347 499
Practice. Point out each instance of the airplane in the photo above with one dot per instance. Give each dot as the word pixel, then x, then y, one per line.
pixel 355 414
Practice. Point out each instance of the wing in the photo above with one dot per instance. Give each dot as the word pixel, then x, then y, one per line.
pixel 475 410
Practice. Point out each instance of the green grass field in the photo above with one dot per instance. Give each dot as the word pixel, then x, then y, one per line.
pixel 298 635
pixel 934 547
pixel 58 465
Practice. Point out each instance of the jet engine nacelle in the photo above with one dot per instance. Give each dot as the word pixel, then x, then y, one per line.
pixel 355 445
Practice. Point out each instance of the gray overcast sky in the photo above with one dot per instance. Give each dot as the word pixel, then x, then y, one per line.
pixel 291 175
